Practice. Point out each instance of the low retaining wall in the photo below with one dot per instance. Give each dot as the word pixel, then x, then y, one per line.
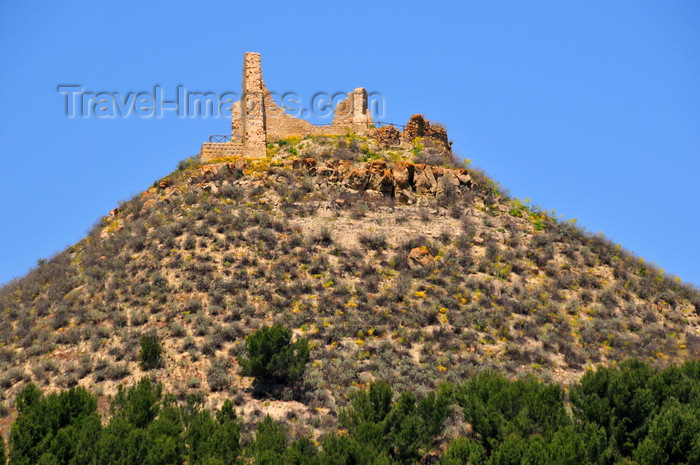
pixel 212 150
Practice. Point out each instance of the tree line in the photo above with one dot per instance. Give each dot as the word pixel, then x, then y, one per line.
pixel 629 414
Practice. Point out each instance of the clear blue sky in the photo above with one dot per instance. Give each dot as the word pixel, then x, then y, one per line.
pixel 588 107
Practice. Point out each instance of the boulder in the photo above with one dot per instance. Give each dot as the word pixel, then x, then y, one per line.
pixel 403 174
pixel 405 196
pixel 172 196
pixel 380 177
pixel 464 177
pixel 334 170
pixel 371 194
pixel 304 163
pixel 420 258
pixel 211 187
pixel 358 179
pixel 438 171
pixel 210 171
pixel 240 164
pixel 376 165
pixel 424 180
pixel 450 177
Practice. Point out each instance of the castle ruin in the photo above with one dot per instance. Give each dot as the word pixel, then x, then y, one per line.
pixel 257 119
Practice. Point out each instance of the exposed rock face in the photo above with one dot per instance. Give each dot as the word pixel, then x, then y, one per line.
pixel 402 181
pixel 381 178
pixel 403 174
pixel 235 169
pixel 374 179
pixel 424 179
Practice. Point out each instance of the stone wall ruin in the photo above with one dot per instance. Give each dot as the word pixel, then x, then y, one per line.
pixel 256 120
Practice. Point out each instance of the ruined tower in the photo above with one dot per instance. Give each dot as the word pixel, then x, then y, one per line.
pixel 252 107
pixel 352 111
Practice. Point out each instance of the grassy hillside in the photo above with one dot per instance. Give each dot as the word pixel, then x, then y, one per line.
pixel 392 269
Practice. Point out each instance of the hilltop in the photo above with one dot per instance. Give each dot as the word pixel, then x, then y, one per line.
pixel 396 261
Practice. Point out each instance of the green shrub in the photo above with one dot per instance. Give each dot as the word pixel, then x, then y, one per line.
pixel 151 353
pixel 272 357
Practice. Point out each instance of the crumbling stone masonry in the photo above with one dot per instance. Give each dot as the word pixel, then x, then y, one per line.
pixel 256 119
pixel 252 117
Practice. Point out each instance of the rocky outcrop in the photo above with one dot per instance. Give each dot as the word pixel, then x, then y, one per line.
pixel 425 181
pixel 235 169
pixel 374 179
pixel 308 164
pixel 381 178
pixel 334 170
